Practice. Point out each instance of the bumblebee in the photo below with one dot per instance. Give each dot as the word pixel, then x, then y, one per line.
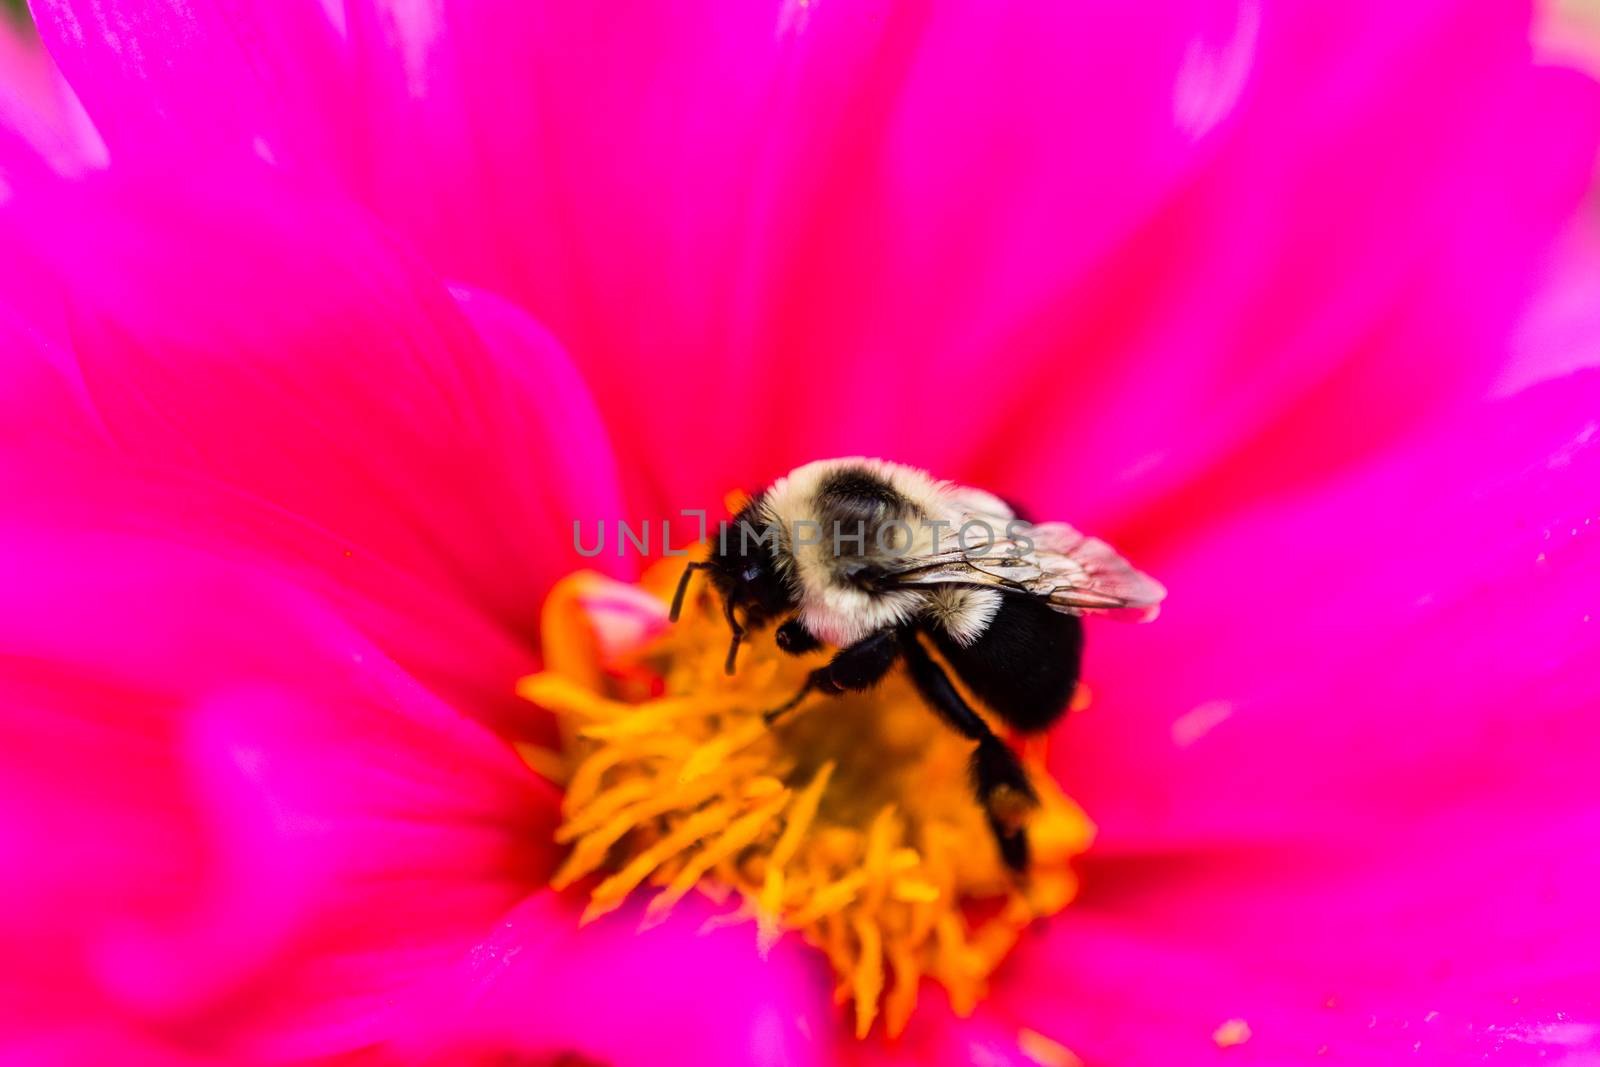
pixel 887 564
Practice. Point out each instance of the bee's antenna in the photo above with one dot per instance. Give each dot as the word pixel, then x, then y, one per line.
pixel 738 634
pixel 683 587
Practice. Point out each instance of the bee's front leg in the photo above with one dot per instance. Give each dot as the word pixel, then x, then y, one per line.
pixel 795 639
pixel 852 669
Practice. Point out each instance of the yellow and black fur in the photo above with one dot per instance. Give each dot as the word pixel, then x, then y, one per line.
pixel 871 557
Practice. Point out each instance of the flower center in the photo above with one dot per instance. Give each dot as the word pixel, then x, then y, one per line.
pixel 850 822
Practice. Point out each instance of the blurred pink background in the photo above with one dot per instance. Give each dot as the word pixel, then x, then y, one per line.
pixel 322 323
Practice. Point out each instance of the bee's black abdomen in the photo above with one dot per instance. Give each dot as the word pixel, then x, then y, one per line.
pixel 1025 665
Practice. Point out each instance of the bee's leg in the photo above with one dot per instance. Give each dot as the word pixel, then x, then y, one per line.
pixel 856 667
pixel 795 639
pixel 1002 785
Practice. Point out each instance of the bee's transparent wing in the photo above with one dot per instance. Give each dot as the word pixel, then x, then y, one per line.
pixel 1053 561
pixel 1087 574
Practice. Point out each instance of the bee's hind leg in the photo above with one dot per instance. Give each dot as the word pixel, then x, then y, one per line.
pixel 772 715
pixel 1002 785
pixel 852 669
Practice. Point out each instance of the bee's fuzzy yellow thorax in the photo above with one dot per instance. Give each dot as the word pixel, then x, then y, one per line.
pixel 851 823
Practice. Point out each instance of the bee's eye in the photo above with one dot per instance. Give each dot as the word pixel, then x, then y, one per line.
pixel 750 573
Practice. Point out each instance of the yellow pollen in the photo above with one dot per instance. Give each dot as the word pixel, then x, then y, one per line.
pixel 1233 1032
pixel 1045 1051
pixel 851 823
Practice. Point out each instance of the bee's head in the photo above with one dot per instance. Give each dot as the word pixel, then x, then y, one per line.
pixel 743 567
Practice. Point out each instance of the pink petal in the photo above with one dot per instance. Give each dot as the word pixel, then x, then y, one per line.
pixel 93 1043
pixel 1409 639
pixel 939 1038
pixel 445 642
pixel 40 396
pixel 717 205
pixel 540 987
pixel 1265 213
pixel 1363 769
pixel 253 78
pixel 320 371
pixel 1561 332
pixel 1420 951
pixel 758 197
pixel 42 126
pixel 253 841
pixel 546 416
pixel 1363 244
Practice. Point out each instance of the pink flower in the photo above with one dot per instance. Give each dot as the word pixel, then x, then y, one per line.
pixel 319 343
